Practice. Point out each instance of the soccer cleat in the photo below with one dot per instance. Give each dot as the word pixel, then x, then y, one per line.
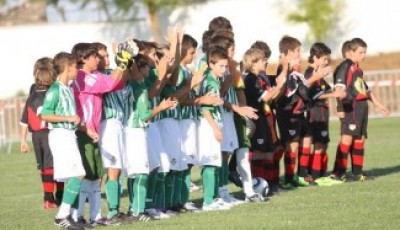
pixel 82 222
pixel 288 186
pixel 216 205
pixel 156 214
pixel 273 190
pixel 301 181
pixel 359 177
pixel 191 207
pixel 49 205
pixel 234 177
pixel 111 221
pixel 67 223
pixel 341 177
pixel 256 198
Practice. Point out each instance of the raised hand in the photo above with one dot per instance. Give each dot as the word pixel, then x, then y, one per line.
pixel 162 67
pixel 125 53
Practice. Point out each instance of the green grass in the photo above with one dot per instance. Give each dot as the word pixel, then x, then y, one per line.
pixel 363 205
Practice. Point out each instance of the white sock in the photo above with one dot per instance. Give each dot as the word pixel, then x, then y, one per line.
pixel 243 165
pixel 63 211
pixel 95 200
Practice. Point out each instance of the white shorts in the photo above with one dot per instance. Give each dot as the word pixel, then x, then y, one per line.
pixel 111 143
pixel 137 160
pixel 189 139
pixel 155 147
pixel 171 138
pixel 230 142
pixel 66 157
pixel 209 148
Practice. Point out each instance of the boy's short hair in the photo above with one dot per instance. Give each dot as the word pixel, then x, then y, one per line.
pixel 83 51
pixel 206 38
pixel 63 60
pixel 221 41
pixel 99 46
pixel 219 23
pixel 252 56
pixel 288 43
pixel 357 42
pixel 215 54
pixel 224 33
pixel 318 49
pixel 141 60
pixel 44 77
pixel 262 46
pixel 147 46
pixel 187 43
pixel 44 62
pixel 346 46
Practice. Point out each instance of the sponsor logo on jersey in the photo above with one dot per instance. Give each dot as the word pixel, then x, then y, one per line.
pixel 260 141
pixel 292 132
pixel 324 133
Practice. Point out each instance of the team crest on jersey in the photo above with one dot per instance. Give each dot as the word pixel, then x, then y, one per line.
pixel 352 127
pixel 260 141
pixel 292 132
pixel 49 96
pixel 324 133
pixel 90 81
pixel 173 161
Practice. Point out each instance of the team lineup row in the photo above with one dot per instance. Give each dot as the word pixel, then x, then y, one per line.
pixel 157 115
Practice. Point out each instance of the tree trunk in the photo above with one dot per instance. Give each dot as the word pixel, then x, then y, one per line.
pixel 155 27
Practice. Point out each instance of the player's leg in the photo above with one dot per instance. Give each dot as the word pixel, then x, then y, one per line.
pixel 304 151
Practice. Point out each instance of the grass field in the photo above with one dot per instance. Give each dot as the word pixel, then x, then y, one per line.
pixel 362 205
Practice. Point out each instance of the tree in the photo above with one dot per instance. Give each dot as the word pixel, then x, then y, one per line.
pixel 320 15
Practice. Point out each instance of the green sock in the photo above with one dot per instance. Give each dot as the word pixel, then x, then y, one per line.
pixel 185 186
pixel 139 191
pixel 159 195
pixel 151 190
pixel 169 189
pixel 112 191
pixel 216 182
pixel 208 175
pixel 71 191
pixel 130 189
pixel 177 199
pixel 225 168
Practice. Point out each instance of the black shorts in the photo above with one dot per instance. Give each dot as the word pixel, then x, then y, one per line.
pixel 319 124
pixel 292 127
pixel 44 157
pixel 262 139
pixel 355 120
pixel 240 125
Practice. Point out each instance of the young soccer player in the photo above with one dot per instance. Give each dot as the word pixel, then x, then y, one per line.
pixel 355 107
pixel 318 115
pixel 259 95
pixel 291 106
pixel 210 133
pixel 89 87
pixel 44 77
pixel 138 165
pixel 59 111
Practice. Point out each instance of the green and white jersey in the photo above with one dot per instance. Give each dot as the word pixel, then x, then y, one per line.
pixel 190 111
pixel 166 92
pixel 230 95
pixel 114 104
pixel 155 101
pixel 60 101
pixel 139 109
pixel 211 84
pixel 202 62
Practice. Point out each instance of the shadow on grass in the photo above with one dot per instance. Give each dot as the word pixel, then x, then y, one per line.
pixel 383 171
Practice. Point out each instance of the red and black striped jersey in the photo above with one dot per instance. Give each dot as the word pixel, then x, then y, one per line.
pixel 33 106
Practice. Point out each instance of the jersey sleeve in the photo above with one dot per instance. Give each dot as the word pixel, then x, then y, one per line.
pixel 50 102
pixel 100 83
pixel 143 107
pixel 340 74
pixel 253 90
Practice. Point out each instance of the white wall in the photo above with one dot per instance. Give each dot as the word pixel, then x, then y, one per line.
pixel 251 19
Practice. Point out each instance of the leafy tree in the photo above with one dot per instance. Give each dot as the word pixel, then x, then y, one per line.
pixel 320 15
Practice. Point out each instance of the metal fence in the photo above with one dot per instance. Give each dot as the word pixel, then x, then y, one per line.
pixel 384 84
